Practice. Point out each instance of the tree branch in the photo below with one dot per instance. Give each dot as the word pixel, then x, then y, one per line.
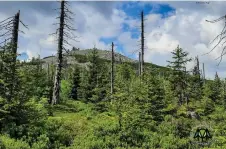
pixel 216 19
pixel 5 33
pixel 26 26
pixel 6 19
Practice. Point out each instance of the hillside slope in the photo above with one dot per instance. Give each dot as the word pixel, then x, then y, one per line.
pixel 80 57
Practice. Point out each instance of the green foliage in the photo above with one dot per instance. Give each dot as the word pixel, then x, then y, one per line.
pixel 75 83
pixel 30 76
pixel 9 143
pixel 196 89
pixel 81 58
pixel 8 74
pixel 216 90
pixel 156 94
pixel 65 89
pixel 142 113
pixel 178 78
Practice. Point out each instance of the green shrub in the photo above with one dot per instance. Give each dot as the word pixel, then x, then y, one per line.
pixel 9 143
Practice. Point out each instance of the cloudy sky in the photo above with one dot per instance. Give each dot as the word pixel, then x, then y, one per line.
pixel 167 25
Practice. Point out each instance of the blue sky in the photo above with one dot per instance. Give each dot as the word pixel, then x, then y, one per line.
pixel 167 25
pixel 132 10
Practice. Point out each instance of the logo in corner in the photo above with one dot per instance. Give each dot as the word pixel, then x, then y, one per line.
pixel 201 135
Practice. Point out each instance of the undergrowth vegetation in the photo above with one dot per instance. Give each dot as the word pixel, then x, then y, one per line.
pixel 144 112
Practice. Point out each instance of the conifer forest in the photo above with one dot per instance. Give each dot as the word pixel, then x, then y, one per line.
pixel 101 99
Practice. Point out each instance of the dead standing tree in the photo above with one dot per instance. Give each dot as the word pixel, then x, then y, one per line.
pixel 203 71
pixel 142 42
pixel 64 31
pixel 139 64
pixel 112 68
pixel 10 27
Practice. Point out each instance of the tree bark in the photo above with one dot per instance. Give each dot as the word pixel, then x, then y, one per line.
pixel 139 64
pixel 56 89
pixel 142 42
pixel 204 77
pixel 14 43
pixel 112 68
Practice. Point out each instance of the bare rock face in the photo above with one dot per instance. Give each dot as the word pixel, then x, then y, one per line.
pixel 193 115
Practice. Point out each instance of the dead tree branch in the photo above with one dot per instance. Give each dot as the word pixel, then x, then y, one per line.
pixel 221 37
pixel 64 31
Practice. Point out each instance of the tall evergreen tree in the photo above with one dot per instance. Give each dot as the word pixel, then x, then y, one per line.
pixel 92 75
pixel 9 73
pixel 178 66
pixel 31 73
pixel 156 96
pixel 75 83
pixel 196 81
pixel 216 89
pixel 224 92
pixel 93 67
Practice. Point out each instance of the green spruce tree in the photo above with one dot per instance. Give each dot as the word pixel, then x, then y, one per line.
pixel 75 83
pixel 90 81
pixel 156 97
pixel 178 77
pixel 196 82
pixel 216 89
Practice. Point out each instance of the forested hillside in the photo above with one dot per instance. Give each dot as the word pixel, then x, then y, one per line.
pixel 97 100
pixel 80 57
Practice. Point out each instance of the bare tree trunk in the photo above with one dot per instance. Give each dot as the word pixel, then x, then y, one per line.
pixel 139 64
pixel 48 72
pixel 112 68
pixel 14 42
pixel 56 89
pixel 203 69
pixel 197 64
pixel 15 34
pixel 52 69
pixel 142 42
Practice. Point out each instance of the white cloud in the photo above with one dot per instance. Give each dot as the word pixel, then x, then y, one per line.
pixel 130 45
pixel 189 29
pixel 161 42
pixel 91 25
pixel 49 41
